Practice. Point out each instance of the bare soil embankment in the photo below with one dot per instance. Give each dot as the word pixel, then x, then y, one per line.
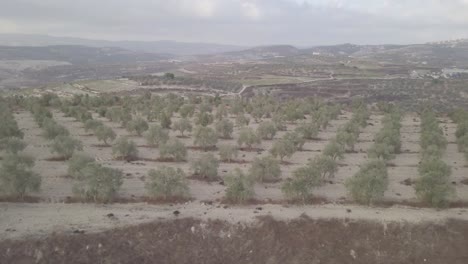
pixel 302 240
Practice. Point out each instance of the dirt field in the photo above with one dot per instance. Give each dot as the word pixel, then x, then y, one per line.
pixel 56 187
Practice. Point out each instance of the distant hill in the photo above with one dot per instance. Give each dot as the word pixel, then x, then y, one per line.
pixel 261 52
pixel 159 47
pixel 77 54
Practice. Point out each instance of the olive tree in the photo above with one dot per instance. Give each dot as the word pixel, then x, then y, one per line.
pixel 334 150
pixel 266 169
pixel 98 183
pixel 182 125
pixel 52 129
pixel 105 134
pixel 242 120
pixel 297 140
pixel 165 120
pixel 369 183
pixel 12 145
pixel 228 153
pixel 203 119
pixel 138 126
pixel 283 148
pixel 308 130
pixel 76 164
pixel 240 187
pixel 224 128
pixel 381 151
pixel 187 110
pixel 302 184
pixel 124 148
pixel 248 137
pixel 65 146
pixel 167 183
pixel 326 166
pixel 174 149
pixel 92 125
pixel 156 136
pixel 206 167
pixel 205 137
pixel 17 177
pixel 266 130
pixel 434 185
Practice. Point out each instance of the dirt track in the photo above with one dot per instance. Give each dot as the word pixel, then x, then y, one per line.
pixel 266 241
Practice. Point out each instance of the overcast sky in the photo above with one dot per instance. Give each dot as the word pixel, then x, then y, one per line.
pixel 242 22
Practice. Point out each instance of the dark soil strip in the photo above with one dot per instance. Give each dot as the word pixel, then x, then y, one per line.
pixel 298 241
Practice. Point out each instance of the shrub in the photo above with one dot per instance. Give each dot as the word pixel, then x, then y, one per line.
pixel 173 148
pixel 434 185
pixel 105 134
pixel 124 148
pixel 266 169
pixel 156 136
pixel 98 183
pixel 137 126
pixel 266 130
pixel 206 167
pixel 240 188
pixel 248 137
pixel 76 164
pixel 167 183
pixel 228 153
pixel 205 137
pixel 17 177
pixel 182 125
pixel 65 146
pixel 369 183
pixel 224 128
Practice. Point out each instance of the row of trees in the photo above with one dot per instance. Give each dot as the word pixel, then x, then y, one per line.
pixel 433 185
pixel 371 181
pixel 460 116
pixel 306 179
pixel 62 143
pixel 16 175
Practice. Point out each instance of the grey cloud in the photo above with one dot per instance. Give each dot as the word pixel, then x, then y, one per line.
pixel 246 22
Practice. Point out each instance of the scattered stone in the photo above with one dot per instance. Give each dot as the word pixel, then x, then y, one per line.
pixel 176 213
pixel 348 210
pixel 77 231
pixel 10 230
pixel 221 183
pixel 259 208
pixel 225 207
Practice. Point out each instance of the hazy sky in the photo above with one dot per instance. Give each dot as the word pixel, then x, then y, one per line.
pixel 246 22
